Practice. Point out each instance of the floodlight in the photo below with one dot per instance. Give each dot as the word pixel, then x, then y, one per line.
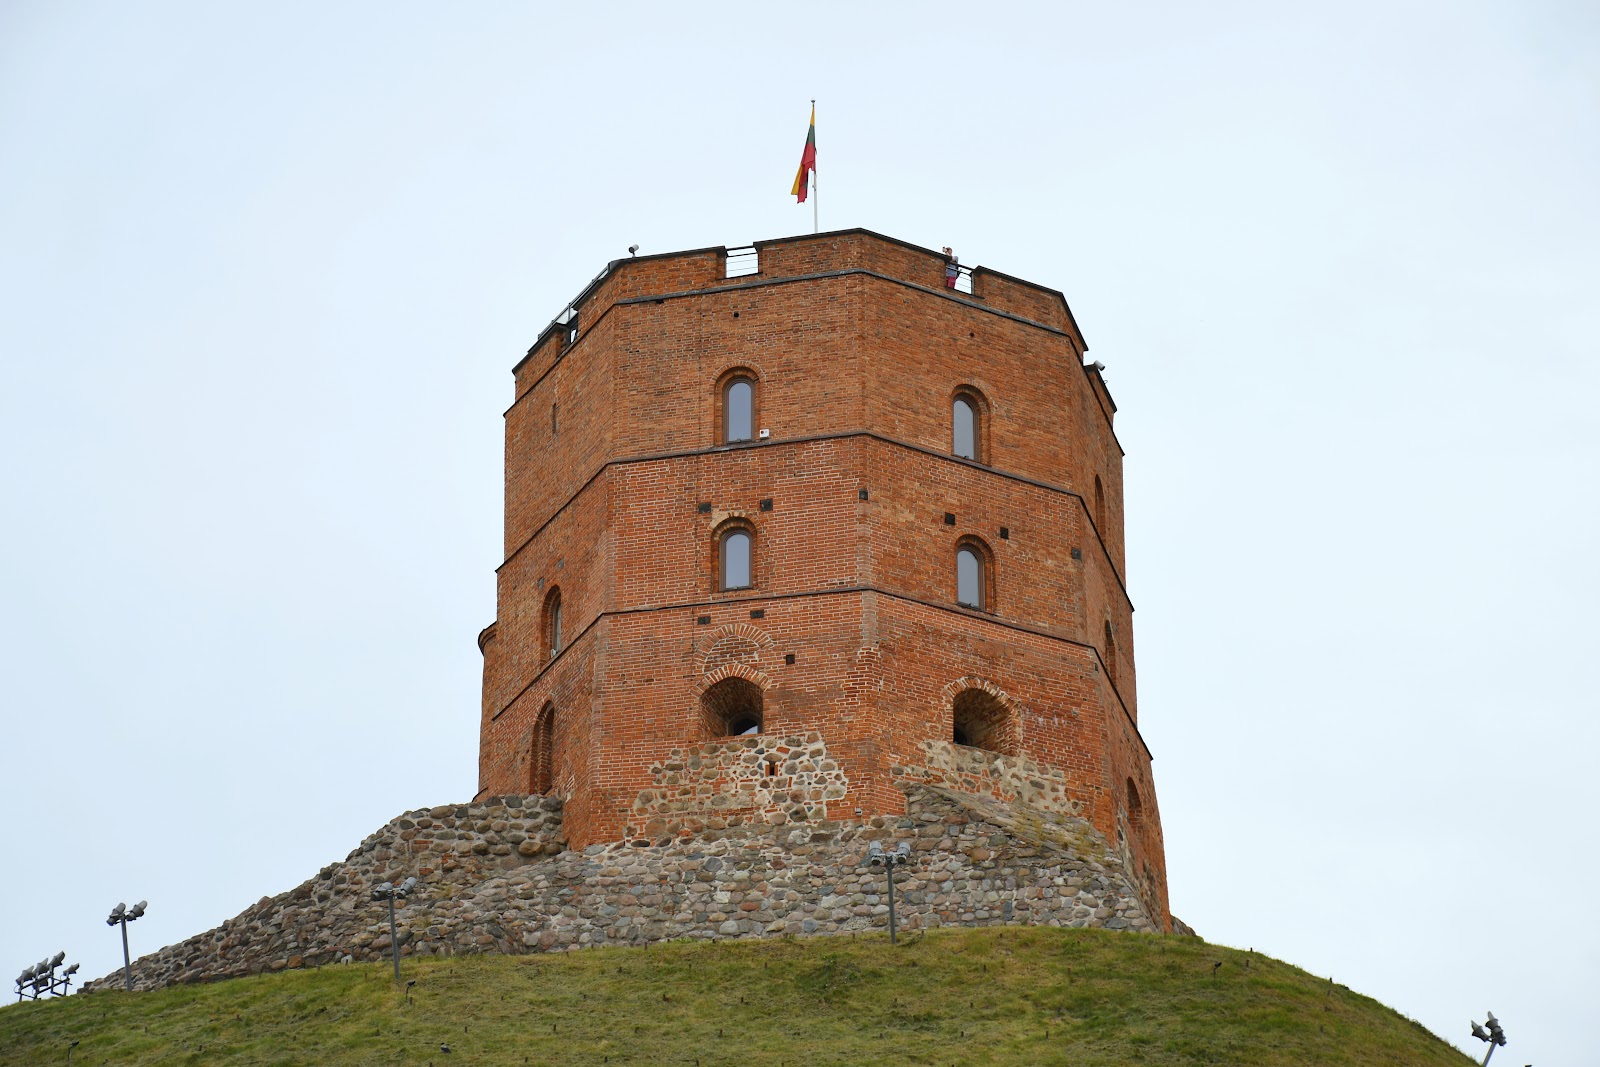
pixel 70 970
pixel 138 909
pixel 1479 1032
pixel 409 885
pixel 58 959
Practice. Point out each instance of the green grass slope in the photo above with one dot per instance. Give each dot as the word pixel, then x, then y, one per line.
pixel 1015 995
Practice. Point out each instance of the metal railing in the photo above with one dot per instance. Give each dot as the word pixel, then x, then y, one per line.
pixel 742 262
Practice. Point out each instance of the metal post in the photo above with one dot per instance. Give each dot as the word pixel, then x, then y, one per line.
pixel 891 900
pixel 1486 1055
pixel 394 940
pixel 815 225
pixel 127 961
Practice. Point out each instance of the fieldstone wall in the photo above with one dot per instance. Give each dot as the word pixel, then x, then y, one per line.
pixel 759 780
pixel 495 878
pixel 980 772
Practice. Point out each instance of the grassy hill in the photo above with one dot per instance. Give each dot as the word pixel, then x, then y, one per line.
pixel 1016 995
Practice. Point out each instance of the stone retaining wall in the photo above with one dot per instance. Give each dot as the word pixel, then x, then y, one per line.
pixel 496 878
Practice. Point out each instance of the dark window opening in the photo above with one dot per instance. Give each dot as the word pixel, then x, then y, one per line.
pixel 1111 653
pixel 1135 807
pixel 732 708
pixel 980 720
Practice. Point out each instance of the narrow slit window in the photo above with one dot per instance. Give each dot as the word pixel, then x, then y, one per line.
pixel 1111 653
pixel 552 623
pixel 969 577
pixel 739 411
pixel 735 552
pixel 964 423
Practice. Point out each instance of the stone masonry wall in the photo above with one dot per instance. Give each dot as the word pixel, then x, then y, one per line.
pixel 495 878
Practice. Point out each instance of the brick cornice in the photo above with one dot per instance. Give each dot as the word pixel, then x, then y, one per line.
pixel 1078 345
pixel 656 457
pixel 849 590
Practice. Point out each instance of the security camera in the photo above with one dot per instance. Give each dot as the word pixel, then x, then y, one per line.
pixel 633 250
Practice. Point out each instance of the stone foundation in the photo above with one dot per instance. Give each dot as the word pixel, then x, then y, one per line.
pixel 495 877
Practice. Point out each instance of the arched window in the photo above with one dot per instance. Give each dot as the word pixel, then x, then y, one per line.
pixel 738 409
pixel 552 623
pixel 733 559
pixel 980 720
pixel 972 578
pixel 1135 807
pixel 1099 506
pixel 1111 653
pixel 541 762
pixel 966 425
pixel 732 708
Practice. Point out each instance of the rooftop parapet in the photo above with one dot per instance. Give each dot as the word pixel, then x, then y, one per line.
pixel 809 255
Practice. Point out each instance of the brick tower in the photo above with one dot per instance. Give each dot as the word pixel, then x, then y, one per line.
pixel 792 527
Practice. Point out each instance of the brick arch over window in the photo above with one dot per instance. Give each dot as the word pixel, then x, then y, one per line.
pixel 739 643
pixel 737 417
pixel 981 715
pixel 551 634
pixel 733 564
pixel 974 574
pixel 542 755
pixel 733 704
pixel 1135 808
pixel 969 423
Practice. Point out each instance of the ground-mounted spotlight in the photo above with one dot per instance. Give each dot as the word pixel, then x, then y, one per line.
pixel 389 891
pixel 121 916
pixel 889 861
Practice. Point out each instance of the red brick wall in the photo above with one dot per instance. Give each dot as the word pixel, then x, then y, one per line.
pixel 856 373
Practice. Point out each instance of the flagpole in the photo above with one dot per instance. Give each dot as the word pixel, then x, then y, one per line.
pixel 815 226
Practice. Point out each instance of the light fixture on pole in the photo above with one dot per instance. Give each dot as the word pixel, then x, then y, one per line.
pixel 389 891
pixel 1494 1035
pixel 122 915
pixel 889 860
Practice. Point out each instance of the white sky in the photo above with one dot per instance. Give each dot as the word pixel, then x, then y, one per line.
pixel 266 268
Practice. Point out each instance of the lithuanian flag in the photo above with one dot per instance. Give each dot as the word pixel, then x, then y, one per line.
pixel 808 160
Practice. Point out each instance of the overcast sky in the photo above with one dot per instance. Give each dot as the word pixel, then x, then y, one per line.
pixel 266 268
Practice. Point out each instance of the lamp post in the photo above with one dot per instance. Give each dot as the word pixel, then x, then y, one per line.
pixel 389 891
pixel 122 915
pixel 1494 1035
pixel 889 860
